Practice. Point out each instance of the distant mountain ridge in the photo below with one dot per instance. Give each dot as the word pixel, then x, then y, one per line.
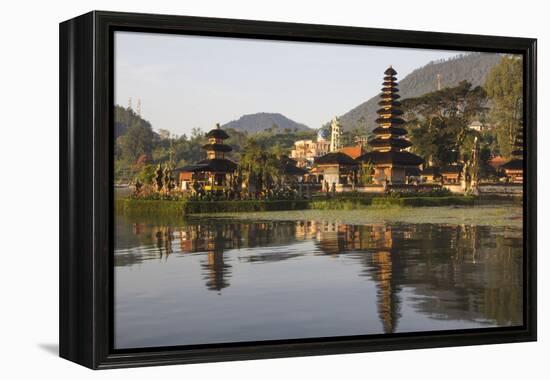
pixel 261 121
pixel 472 67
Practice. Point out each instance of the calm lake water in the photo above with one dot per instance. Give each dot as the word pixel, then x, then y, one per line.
pixel 228 279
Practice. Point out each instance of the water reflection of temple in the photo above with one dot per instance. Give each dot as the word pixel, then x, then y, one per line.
pixel 213 239
pixel 374 243
pixel 216 270
pixel 164 236
pixel 373 246
pixel 455 272
pixel 216 238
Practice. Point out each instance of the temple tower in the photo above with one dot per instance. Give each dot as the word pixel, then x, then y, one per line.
pixel 514 167
pixel 389 135
pixel 215 148
pixel 388 156
pixel 215 173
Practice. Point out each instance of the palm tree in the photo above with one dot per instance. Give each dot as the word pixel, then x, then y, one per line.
pixel 250 163
pixel 260 168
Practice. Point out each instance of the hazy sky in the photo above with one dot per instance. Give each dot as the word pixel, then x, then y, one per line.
pixel 186 81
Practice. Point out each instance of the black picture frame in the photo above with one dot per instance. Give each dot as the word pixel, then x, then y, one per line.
pixel 86 198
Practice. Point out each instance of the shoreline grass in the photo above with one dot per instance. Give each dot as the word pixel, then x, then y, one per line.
pixel 184 208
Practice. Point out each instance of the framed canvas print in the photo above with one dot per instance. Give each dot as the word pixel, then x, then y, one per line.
pixel 238 189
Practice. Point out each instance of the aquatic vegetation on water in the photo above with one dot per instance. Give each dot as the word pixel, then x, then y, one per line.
pixel 498 215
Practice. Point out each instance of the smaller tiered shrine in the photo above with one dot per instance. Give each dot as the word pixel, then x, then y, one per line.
pixel 514 167
pixel 216 171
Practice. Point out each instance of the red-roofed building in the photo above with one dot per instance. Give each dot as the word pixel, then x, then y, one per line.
pixel 353 151
pixel 497 162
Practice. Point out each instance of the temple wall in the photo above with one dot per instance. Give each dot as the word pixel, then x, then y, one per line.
pixel 360 189
pixel 392 174
pixel 501 189
pixel 484 189
pixel 490 189
pixel 455 189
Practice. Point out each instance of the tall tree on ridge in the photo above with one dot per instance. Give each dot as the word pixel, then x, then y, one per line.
pixel 504 86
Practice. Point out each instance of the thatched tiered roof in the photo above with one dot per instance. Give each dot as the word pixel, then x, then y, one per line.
pixel 451 169
pixel 516 163
pixel 513 164
pixel 215 149
pixel 335 158
pixel 391 157
pixel 219 165
pixel 389 140
pixel 217 133
pixel 430 171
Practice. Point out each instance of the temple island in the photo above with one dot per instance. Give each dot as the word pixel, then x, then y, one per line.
pixel 381 164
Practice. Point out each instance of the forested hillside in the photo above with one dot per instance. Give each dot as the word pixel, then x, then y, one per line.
pixel 263 121
pixel 472 68
pixel 137 146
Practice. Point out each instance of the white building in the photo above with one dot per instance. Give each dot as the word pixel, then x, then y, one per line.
pixel 336 135
pixel 476 125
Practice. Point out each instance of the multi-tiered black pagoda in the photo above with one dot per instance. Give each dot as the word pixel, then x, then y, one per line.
pixel 214 173
pixel 514 167
pixel 391 162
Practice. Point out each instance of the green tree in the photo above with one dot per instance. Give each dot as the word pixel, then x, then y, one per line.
pixel 366 173
pixel 196 133
pixel 261 168
pixel 146 174
pixel 438 122
pixel 236 141
pixel 186 150
pixel 137 141
pixel 504 87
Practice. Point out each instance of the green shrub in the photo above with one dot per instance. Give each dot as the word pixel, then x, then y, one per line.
pixel 424 201
pixel 185 207
pixel 149 207
pixel 340 203
pixel 202 207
